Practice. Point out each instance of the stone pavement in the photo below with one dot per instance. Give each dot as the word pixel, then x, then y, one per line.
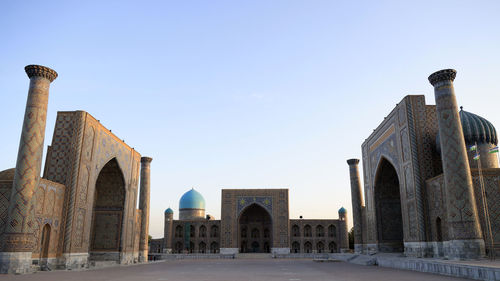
pixel 235 269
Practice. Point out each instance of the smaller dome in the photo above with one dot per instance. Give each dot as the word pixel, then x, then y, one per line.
pixel 342 210
pixel 192 200
pixel 7 175
pixel 169 211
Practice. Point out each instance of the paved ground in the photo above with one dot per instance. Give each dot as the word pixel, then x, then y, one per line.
pixel 237 269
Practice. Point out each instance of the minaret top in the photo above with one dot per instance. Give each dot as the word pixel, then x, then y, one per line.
pixel 42 71
pixel 442 75
pixel 146 159
pixel 353 162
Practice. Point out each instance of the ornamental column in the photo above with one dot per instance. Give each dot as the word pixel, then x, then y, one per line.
pixel 465 239
pixel 357 204
pixel 144 207
pixel 18 241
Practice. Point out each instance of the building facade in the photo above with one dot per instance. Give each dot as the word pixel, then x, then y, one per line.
pixel 83 208
pixel 253 221
pixel 424 193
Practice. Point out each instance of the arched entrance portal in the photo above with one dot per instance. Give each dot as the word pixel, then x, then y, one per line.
pixel 255 228
pixel 388 209
pixel 107 218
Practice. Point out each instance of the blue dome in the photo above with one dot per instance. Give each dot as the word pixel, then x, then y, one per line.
pixel 169 211
pixel 342 210
pixel 192 200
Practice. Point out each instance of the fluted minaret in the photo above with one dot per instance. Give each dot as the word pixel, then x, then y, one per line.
pixel 18 241
pixel 357 204
pixel 167 232
pixel 465 239
pixel 144 207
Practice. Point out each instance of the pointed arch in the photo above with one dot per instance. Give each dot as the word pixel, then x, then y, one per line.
pixel 388 212
pixel 108 212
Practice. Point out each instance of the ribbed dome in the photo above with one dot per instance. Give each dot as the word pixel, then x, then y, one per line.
pixel 192 200
pixel 7 175
pixel 477 129
pixel 169 211
pixel 342 210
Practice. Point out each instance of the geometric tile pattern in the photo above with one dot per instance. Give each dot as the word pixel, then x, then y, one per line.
pixel 462 214
pixel 29 160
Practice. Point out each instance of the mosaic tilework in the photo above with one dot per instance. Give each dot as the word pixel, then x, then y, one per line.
pixel 279 215
pixel 462 213
pixel 264 201
pixel 29 161
pixel 49 201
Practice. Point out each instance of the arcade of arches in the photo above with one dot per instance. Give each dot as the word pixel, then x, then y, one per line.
pixel 255 230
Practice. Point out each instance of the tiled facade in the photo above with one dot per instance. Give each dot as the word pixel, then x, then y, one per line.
pixel 83 209
pixel 406 195
pixel 253 220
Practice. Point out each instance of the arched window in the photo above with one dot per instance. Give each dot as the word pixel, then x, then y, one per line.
pixel 332 247
pixel 439 230
pixel 178 231
pixel 203 231
pixel 295 247
pixel 308 247
pixel 202 247
pixel 320 247
pixel 332 231
pixel 191 247
pixel 295 231
pixel 267 249
pixel 214 231
pixel 255 233
pixel 178 247
pixel 191 231
pixel 320 231
pixel 214 248
pixel 266 232
pixel 307 231
pixel 244 232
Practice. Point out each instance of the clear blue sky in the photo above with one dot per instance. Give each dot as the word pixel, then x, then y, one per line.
pixel 245 94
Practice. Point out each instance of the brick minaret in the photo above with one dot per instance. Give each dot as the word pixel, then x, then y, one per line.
pixel 18 240
pixel 357 204
pixel 465 239
pixel 144 207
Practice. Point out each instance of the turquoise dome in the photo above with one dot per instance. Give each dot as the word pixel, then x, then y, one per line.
pixel 342 210
pixel 169 211
pixel 192 200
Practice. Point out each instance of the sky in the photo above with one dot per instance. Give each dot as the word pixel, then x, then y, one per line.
pixel 245 94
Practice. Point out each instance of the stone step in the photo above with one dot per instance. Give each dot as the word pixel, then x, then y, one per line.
pixel 101 264
pixel 253 256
